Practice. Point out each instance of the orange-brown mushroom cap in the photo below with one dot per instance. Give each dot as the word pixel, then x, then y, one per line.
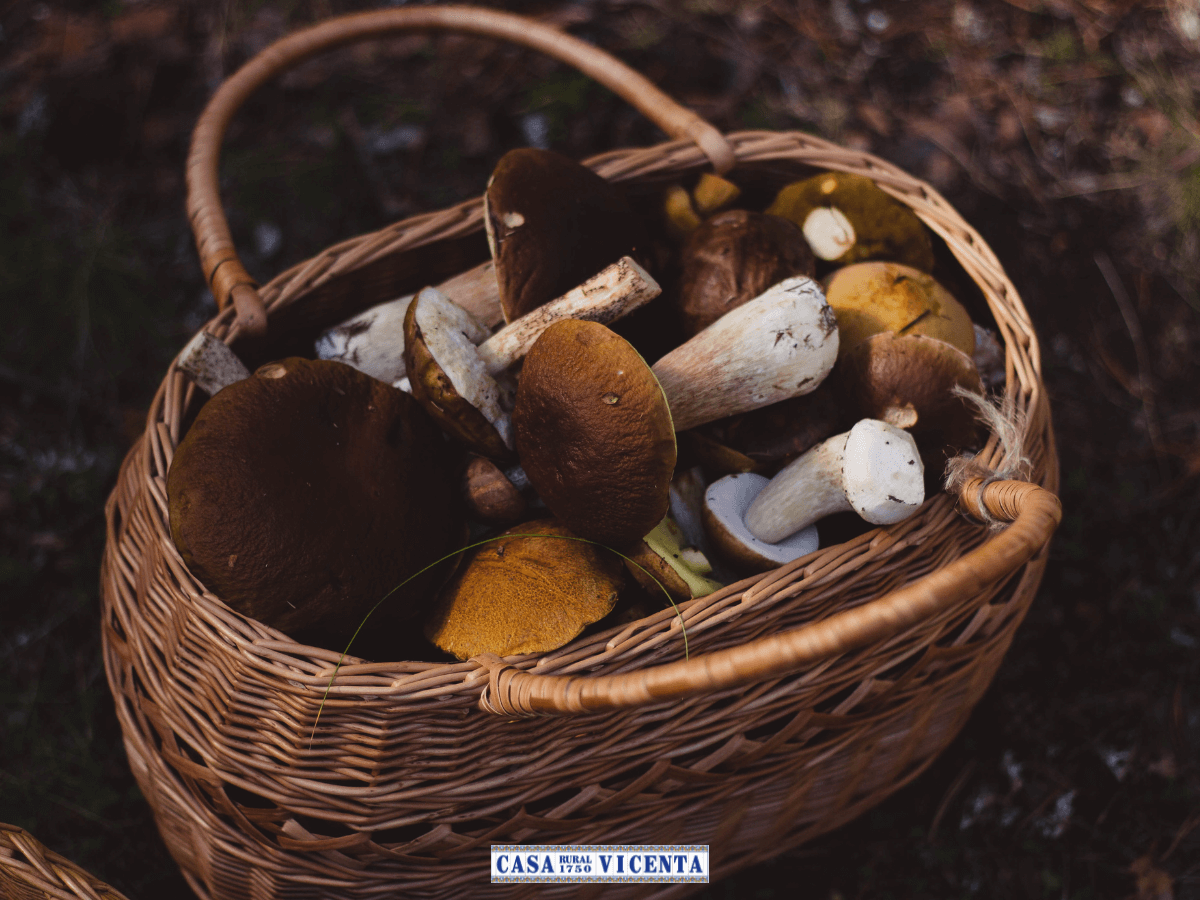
pixel 525 594
pixel 594 434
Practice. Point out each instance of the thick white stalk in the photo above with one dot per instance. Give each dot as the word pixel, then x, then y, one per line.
pixel 612 293
pixel 779 345
pixel 806 490
pixel 211 364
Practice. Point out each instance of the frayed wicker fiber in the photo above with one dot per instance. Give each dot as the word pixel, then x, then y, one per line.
pixel 811 693
pixel 28 871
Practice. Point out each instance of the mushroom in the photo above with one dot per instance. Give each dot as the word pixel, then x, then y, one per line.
pixel 593 432
pixel 662 562
pixel 872 297
pixel 685 211
pixel 490 494
pixel 781 344
pixel 724 513
pixel 732 258
pixel 847 218
pixel 456 381
pixel 873 469
pixel 303 494
pixel 593 424
pixel 552 222
pixel 531 591
pixel 210 363
pixel 909 382
pixel 373 340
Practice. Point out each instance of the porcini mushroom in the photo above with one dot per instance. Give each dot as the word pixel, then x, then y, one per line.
pixel 847 219
pixel 593 432
pixel 489 494
pixel 873 469
pixel 552 222
pixel 211 363
pixel 873 297
pixel 456 381
pixel 724 516
pixel 373 340
pixel 294 496
pixel 732 258
pixel 531 591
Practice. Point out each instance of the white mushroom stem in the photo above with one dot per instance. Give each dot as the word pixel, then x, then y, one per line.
pixel 210 363
pixel 373 340
pixel 779 345
pixel 608 295
pixel 873 469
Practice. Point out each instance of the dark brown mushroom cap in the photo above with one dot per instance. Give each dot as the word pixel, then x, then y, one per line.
pixel 303 494
pixel 489 495
pixel 593 431
pixel 908 381
pixel 553 223
pixel 525 594
pixel 884 228
pixel 732 258
pixel 434 390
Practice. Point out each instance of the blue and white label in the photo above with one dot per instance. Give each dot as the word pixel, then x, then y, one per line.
pixel 633 864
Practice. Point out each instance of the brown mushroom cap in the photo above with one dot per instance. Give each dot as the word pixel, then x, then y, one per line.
pixel 488 493
pixel 871 297
pixel 732 258
pixel 908 381
pixel 525 594
pixel 593 431
pixel 883 228
pixel 552 223
pixel 305 493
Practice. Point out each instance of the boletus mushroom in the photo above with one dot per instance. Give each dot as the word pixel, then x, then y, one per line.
pixel 847 219
pixel 873 469
pixel 732 258
pixel 305 493
pixel 724 516
pixel 531 591
pixel 455 373
pixel 873 297
pixel 552 222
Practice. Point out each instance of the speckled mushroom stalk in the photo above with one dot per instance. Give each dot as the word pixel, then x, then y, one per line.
pixel 873 469
pixel 454 372
pixel 211 364
pixel 779 345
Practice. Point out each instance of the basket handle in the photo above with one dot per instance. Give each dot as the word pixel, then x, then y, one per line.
pixel 1033 511
pixel 219 260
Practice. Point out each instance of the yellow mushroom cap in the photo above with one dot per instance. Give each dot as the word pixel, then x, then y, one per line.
pixel 522 594
pixel 880 227
pixel 873 297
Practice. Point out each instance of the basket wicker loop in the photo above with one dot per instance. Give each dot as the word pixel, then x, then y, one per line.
pixel 1033 511
pixel 223 269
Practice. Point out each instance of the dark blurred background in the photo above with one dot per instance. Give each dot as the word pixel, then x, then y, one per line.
pixel 1065 131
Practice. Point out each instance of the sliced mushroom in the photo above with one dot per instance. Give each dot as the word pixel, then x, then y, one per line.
pixel 525 594
pixel 847 219
pixel 874 469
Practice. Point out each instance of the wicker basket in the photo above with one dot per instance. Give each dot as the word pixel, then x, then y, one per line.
pixel 812 691
pixel 28 871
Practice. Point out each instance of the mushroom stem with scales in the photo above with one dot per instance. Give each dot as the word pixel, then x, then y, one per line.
pixel 873 469
pixel 454 373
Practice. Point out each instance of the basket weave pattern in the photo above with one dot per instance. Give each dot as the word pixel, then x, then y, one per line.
pixel 406 780
pixel 29 871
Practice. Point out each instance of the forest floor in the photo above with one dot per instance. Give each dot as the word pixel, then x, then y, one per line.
pixel 1065 131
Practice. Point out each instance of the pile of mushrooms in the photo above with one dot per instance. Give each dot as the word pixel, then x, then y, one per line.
pixel 815 378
